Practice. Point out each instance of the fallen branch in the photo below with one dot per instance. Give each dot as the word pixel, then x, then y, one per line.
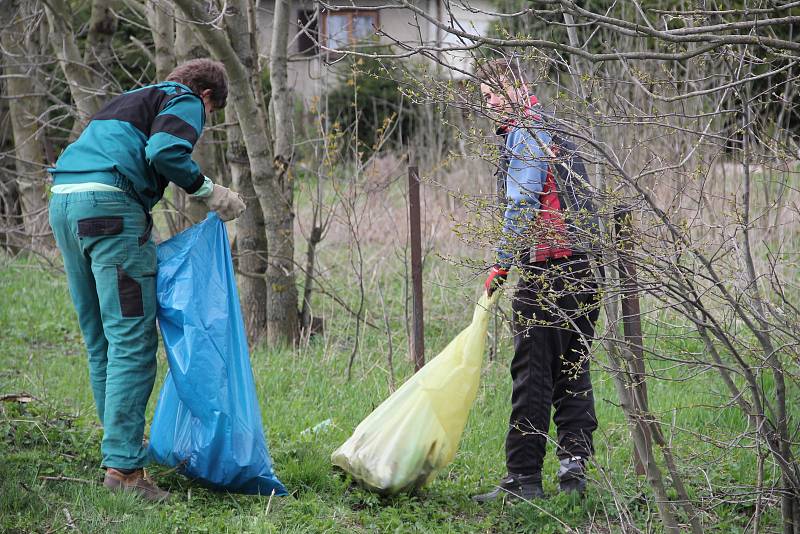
pixel 17 397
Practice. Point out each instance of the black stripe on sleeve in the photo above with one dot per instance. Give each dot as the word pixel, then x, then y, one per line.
pixel 172 124
pixel 195 185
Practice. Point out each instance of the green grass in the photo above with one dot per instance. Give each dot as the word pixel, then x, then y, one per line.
pixel 41 353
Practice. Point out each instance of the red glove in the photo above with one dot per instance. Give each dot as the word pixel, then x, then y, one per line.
pixel 497 277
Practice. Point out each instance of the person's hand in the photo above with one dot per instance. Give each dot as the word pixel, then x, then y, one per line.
pixel 225 202
pixel 497 277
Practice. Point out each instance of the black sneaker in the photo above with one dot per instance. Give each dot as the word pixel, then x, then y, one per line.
pixel 572 475
pixel 514 487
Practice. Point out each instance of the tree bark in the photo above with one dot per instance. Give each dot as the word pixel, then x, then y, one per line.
pixel 282 311
pixel 24 108
pixel 161 17
pixel 251 239
pixel 306 319
pixel 10 217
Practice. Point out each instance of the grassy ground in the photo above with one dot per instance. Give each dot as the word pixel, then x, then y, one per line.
pixel 56 435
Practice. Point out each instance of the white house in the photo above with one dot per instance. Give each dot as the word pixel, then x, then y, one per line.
pixel 317 32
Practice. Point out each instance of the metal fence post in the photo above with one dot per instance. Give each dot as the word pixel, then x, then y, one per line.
pixel 632 320
pixel 417 319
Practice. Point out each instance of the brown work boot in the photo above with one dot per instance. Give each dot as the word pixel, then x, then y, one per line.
pixel 137 482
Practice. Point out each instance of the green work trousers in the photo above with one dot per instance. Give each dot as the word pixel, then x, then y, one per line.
pixel 110 262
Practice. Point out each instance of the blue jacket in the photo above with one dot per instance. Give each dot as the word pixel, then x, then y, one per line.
pixel 140 141
pixel 524 178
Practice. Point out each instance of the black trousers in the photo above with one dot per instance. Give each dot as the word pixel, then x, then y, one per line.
pixel 555 310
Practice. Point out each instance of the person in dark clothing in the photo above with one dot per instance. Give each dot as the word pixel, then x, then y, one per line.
pixel 555 306
pixel 105 184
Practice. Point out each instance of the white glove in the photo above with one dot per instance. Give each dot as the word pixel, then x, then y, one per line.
pixel 225 202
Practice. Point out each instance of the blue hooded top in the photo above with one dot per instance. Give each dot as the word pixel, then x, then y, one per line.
pixel 524 180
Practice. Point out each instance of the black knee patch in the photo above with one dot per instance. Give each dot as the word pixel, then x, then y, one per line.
pixel 130 294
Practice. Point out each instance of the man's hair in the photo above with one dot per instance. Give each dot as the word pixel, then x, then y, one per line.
pixel 495 71
pixel 201 74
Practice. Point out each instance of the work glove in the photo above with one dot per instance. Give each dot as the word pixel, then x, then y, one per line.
pixel 497 277
pixel 225 202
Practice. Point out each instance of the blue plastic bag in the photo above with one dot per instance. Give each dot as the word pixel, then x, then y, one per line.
pixel 207 420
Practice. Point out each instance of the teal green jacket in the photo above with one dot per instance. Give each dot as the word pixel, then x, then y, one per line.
pixel 140 141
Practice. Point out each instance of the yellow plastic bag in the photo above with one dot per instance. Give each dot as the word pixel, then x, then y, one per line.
pixel 414 433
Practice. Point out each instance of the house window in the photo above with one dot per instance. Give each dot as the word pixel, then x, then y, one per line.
pixel 309 33
pixel 346 28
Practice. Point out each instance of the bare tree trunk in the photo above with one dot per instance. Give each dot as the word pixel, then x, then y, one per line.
pixel 10 218
pixel 102 25
pixel 84 84
pixel 161 17
pixel 282 311
pixel 24 108
pixel 251 239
